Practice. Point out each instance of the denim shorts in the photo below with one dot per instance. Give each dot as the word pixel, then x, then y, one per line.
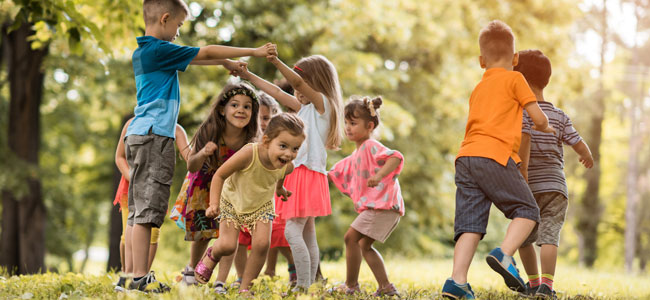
pixel 481 182
pixel 151 159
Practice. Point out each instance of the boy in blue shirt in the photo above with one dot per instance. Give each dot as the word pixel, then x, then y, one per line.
pixel 150 136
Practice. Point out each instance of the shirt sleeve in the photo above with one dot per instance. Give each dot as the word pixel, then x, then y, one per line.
pixel 570 135
pixel 381 154
pixel 526 124
pixel 341 175
pixel 172 57
pixel 522 91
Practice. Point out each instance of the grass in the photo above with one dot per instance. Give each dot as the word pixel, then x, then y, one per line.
pixel 416 279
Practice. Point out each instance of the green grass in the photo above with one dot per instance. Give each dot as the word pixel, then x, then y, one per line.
pixel 416 279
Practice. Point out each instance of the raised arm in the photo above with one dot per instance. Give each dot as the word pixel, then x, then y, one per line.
pixel 273 90
pixel 181 142
pixel 120 153
pixel 299 84
pixel 197 158
pixel 391 164
pixel 238 161
pixel 213 52
pixel 585 154
pixel 539 117
pixel 524 154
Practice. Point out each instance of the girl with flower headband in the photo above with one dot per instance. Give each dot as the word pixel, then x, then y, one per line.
pixel 231 124
pixel 318 103
pixel 369 177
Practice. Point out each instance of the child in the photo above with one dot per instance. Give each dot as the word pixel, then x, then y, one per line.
pixel 156 63
pixel 122 198
pixel 318 103
pixel 246 201
pixel 369 177
pixel 542 165
pixel 231 124
pixel 486 165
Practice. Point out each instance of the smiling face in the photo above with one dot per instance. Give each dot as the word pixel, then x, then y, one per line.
pixel 264 117
pixel 283 148
pixel 357 129
pixel 238 111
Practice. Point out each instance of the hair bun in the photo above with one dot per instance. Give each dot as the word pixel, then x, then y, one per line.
pixel 376 102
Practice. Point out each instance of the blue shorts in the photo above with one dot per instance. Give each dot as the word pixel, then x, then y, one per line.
pixel 480 182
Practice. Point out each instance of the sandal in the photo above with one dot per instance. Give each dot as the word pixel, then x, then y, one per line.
pixel 389 290
pixel 188 276
pixel 201 272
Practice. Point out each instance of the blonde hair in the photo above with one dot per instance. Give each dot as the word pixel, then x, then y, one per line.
pixel 321 76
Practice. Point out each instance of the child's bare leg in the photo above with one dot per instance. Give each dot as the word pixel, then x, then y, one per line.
pixel 225 245
pixel 153 248
pixel 260 241
pixel 374 261
pixel 141 238
pixel 128 250
pixel 528 258
pixel 548 256
pixel 197 248
pixel 271 261
pixel 122 256
pixel 240 260
pixel 286 252
pixel 352 257
pixel 224 267
pixel 463 255
pixel 517 233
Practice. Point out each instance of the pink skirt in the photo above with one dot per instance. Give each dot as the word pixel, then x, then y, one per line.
pixel 310 195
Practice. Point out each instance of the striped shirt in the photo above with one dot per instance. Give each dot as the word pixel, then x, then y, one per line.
pixel 546 164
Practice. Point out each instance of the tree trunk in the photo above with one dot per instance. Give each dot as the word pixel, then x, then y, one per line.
pixel 23 219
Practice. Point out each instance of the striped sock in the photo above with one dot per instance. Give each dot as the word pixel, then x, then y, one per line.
pixel 547 279
pixel 534 280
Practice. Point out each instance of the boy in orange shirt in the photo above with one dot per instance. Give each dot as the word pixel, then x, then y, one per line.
pixel 486 165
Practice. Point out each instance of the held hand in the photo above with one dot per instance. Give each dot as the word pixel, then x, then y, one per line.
pixel 588 161
pixel 548 129
pixel 283 194
pixel 234 65
pixel 266 50
pixel 272 58
pixel 374 181
pixel 242 73
pixel 212 211
pixel 209 149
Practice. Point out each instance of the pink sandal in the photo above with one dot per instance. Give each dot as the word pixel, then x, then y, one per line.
pixel 201 271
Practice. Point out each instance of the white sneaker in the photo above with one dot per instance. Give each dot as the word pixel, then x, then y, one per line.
pixel 219 288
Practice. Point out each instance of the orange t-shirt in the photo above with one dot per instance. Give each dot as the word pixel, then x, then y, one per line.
pixel 495 112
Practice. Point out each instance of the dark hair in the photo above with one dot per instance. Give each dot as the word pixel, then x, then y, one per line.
pixel 214 126
pixel 496 41
pixel 154 9
pixel 269 102
pixel 360 109
pixel 535 67
pixel 284 122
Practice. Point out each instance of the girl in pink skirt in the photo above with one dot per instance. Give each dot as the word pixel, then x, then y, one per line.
pixel 369 177
pixel 318 103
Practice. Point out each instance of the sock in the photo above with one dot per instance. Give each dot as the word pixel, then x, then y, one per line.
pixel 534 280
pixel 292 269
pixel 137 278
pixel 547 279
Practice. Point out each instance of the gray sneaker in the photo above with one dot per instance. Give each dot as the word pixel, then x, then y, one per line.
pixel 545 292
pixel 148 284
pixel 120 285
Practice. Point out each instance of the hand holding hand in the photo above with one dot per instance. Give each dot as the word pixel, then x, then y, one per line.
pixel 234 65
pixel 283 194
pixel 212 211
pixel 209 149
pixel 266 50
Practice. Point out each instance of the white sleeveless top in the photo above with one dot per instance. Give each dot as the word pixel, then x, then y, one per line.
pixel 312 153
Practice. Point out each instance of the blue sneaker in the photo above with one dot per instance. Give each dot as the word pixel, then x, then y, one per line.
pixel 452 290
pixel 506 266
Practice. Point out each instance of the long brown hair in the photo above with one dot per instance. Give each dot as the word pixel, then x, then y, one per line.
pixel 321 76
pixel 214 126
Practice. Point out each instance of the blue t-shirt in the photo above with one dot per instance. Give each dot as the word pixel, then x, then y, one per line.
pixel 156 64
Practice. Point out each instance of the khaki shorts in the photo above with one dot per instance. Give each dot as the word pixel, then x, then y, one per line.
pixel 151 161
pixel 155 232
pixel 376 224
pixel 552 209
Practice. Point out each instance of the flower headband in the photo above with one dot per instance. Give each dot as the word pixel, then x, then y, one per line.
pixel 371 107
pixel 240 91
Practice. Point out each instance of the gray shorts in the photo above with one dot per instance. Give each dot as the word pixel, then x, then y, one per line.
pixel 481 182
pixel 151 161
pixel 552 208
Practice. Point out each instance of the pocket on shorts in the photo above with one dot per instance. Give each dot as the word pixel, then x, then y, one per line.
pixel 166 157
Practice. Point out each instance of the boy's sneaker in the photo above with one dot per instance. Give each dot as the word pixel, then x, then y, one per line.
pixel 505 265
pixel 529 292
pixel 545 292
pixel 452 290
pixel 220 288
pixel 148 283
pixel 120 285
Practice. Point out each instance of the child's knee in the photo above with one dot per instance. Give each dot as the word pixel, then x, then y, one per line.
pixel 365 244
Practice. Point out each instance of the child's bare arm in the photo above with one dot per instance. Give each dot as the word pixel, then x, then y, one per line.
pixel 283 193
pixel 585 154
pixel 299 84
pixel 229 64
pixel 539 118
pixel 391 164
pixel 524 154
pixel 238 161
pixel 197 158
pixel 120 153
pixel 212 52
pixel 181 142
pixel 273 90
